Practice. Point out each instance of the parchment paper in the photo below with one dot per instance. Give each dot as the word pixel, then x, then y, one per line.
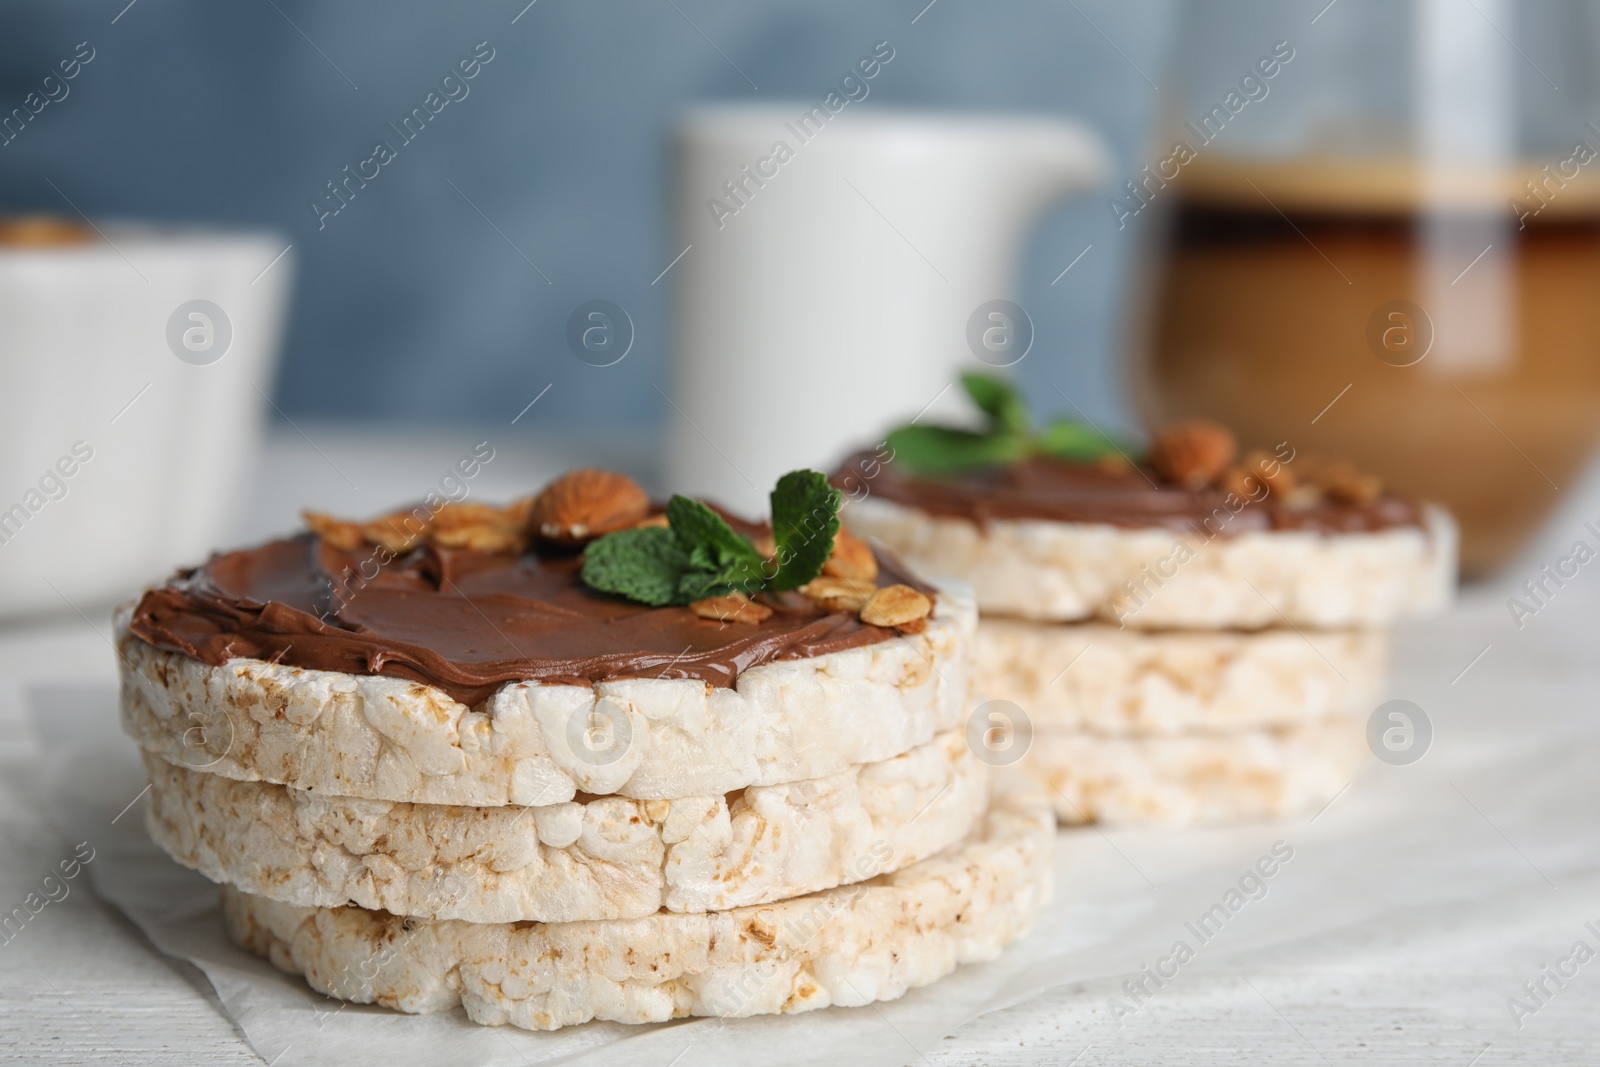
pixel 1484 852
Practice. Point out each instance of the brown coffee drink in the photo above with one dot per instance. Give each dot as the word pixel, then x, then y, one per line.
pixel 1440 328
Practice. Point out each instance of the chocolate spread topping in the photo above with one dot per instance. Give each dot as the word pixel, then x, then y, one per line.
pixel 466 621
pixel 1134 497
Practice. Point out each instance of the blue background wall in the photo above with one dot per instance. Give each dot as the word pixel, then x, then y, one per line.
pixel 408 303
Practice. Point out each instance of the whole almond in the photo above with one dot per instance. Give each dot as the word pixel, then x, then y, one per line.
pixel 454 516
pixel 735 607
pixel 851 558
pixel 584 504
pixel 1193 454
pixel 899 606
pixel 335 533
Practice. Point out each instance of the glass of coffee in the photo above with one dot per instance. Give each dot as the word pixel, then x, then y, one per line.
pixel 1372 229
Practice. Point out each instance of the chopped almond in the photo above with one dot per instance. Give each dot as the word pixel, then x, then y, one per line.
pixel 1279 478
pixel 398 532
pixel 899 606
pixel 1241 483
pixel 481 527
pixel 519 510
pixel 735 607
pixel 839 594
pixel 335 533
pixel 1344 483
pixel 851 558
pixel 495 538
pixel 1303 498
pixel 455 516
pixel 1113 463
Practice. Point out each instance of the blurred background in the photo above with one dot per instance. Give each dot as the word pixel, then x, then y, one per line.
pixel 442 292
pixel 375 235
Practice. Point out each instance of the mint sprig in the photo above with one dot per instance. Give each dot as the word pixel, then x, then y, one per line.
pixel 940 450
pixel 937 451
pixel 698 555
pixel 719 560
pixel 999 401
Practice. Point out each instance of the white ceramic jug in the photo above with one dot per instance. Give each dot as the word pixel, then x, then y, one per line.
pixel 838 271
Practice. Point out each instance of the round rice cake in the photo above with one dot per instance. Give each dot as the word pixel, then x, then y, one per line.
pixel 1216 778
pixel 1158 578
pixel 535 743
pixel 1120 682
pixel 849 946
pixel 605 857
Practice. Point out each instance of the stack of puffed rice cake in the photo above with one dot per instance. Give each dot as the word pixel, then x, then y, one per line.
pixel 818 834
pixel 1207 674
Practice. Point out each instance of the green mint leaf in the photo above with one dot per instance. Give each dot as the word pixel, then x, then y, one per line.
pixel 805 520
pixel 646 565
pixel 1067 439
pixel 996 398
pixel 939 450
pixel 698 584
pixel 698 555
pixel 713 549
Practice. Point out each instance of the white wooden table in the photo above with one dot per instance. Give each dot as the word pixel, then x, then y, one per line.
pixel 79 984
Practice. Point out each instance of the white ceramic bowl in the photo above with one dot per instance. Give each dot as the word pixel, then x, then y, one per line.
pixel 118 459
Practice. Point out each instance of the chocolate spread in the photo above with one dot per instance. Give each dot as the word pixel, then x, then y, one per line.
pixel 1133 497
pixel 466 621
